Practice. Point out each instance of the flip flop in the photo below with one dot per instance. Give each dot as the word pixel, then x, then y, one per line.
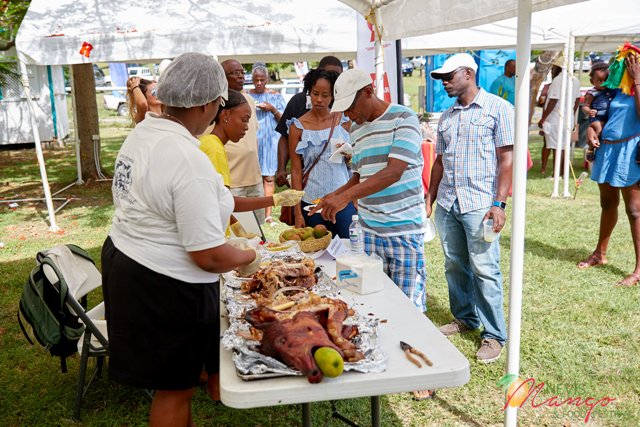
pixel 592 260
pixel 431 395
pixel 628 282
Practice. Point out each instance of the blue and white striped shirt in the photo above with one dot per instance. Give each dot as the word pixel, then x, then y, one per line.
pixel 467 141
pixel 398 209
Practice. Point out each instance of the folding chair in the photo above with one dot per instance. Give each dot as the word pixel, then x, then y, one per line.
pixel 83 279
pixel 250 223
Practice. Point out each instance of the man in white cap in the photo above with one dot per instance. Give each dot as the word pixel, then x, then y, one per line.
pixel 470 180
pixel 387 181
pixel 550 120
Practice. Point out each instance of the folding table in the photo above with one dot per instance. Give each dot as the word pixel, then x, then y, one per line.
pixel 400 321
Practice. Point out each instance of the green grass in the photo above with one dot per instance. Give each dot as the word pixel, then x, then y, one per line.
pixel 579 334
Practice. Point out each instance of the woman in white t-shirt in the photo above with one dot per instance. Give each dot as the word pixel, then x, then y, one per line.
pixel 167 246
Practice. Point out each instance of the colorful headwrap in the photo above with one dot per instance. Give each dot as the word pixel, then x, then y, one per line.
pixel 618 75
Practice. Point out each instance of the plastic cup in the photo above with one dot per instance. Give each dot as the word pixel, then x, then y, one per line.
pixel 489 234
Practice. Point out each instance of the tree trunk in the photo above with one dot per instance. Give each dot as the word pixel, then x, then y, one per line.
pixel 87 125
pixel 538 74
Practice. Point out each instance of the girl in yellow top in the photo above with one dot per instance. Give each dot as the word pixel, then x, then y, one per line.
pixel 231 124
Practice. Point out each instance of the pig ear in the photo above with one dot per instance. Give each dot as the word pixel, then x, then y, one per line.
pixel 260 317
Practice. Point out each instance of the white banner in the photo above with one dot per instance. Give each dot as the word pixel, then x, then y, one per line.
pixel 366 59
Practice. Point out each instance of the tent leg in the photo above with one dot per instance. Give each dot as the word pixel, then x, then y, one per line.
pixel 36 135
pixel 75 128
pixel 523 57
pixel 561 109
pixel 568 120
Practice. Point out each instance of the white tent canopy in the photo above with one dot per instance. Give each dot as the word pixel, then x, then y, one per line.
pixel 409 18
pixel 597 25
pixel 287 30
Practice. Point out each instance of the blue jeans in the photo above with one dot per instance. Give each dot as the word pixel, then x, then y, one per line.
pixel 472 269
pixel 343 220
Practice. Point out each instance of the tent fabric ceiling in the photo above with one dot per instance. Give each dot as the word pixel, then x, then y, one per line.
pixel 409 18
pixel 288 30
pixel 249 30
pixel 550 30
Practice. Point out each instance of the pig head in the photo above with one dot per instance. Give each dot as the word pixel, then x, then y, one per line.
pixel 292 340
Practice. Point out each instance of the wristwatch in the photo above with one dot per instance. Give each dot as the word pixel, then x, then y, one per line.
pixel 501 205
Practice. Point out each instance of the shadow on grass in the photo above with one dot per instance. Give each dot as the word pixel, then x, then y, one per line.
pixel 465 418
pixel 572 255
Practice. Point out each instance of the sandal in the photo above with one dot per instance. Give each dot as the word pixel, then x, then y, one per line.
pixel 630 281
pixel 417 395
pixel 592 260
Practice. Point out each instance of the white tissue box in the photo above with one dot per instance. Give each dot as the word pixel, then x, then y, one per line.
pixel 362 272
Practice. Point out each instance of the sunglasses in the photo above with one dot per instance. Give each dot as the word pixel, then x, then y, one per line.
pixel 449 76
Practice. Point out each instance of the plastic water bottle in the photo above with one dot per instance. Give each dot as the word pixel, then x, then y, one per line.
pixel 356 236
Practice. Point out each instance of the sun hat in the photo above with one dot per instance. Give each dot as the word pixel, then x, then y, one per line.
pixel 346 86
pixel 191 80
pixel 454 62
pixel 559 61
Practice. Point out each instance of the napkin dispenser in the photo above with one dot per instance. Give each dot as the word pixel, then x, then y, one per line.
pixel 362 274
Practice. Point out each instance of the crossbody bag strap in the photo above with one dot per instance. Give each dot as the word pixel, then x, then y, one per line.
pixel 308 171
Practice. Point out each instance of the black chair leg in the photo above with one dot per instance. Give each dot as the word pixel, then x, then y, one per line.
pixel 99 364
pixel 82 373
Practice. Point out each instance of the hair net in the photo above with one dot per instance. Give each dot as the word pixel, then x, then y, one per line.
pixel 192 79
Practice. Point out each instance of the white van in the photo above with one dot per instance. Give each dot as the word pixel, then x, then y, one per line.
pixel 144 72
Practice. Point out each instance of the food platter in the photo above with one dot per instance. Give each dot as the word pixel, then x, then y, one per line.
pixel 240 336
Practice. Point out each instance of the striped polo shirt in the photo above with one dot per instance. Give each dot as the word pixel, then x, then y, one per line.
pixel 467 141
pixel 398 209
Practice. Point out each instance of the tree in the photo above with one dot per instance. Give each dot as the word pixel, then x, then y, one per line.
pixel 11 14
pixel 84 88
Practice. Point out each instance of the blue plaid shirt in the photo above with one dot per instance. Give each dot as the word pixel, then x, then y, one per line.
pixel 467 141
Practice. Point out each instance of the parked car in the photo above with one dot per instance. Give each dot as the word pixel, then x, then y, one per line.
pixel 98 75
pixel 586 64
pixel 117 104
pixel 140 72
pixel 407 68
pixel 600 57
pixel 418 62
pixel 289 88
pixel 248 79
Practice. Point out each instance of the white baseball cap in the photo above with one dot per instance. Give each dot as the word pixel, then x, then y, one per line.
pixel 459 60
pixel 163 65
pixel 346 86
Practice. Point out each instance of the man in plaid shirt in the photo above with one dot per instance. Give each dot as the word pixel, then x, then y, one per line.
pixel 470 180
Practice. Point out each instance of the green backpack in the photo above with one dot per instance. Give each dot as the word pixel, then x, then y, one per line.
pixel 43 314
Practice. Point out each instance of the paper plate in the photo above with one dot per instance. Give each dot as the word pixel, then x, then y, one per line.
pixel 429 230
pixel 337 156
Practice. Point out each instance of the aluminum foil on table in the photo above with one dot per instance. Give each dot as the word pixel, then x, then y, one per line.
pixel 251 364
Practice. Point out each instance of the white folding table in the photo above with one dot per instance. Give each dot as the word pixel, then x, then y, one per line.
pixel 401 321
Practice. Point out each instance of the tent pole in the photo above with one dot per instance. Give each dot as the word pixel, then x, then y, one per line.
pixel 561 110
pixel 523 79
pixel 568 119
pixel 379 61
pixel 76 140
pixel 399 79
pixel 36 135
